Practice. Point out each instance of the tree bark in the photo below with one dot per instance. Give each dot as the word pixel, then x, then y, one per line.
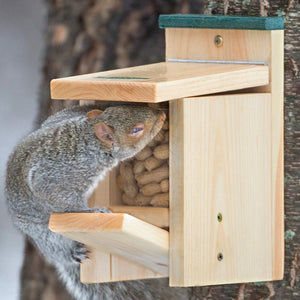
pixel 95 35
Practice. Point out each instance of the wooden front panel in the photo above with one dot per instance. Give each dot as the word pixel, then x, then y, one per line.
pixel 221 161
pixel 252 46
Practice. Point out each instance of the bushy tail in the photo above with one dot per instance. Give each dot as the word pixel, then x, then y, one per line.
pixel 149 289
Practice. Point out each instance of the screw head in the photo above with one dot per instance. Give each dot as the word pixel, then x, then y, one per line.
pixel 219 217
pixel 220 256
pixel 218 41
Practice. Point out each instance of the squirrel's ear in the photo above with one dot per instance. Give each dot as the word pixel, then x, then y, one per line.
pixel 94 113
pixel 105 135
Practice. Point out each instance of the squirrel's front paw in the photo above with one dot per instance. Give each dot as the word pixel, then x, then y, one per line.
pixel 79 252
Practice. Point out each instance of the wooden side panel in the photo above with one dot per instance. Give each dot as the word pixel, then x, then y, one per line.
pixel 221 162
pixel 277 79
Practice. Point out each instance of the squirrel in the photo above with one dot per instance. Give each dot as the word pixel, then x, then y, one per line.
pixel 56 168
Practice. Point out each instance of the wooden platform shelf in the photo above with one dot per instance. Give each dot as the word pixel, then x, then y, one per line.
pixel 223 78
pixel 117 233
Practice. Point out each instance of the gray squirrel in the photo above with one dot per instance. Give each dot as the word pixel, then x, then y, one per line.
pixel 55 169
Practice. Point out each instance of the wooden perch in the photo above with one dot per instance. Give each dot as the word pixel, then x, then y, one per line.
pixel 117 233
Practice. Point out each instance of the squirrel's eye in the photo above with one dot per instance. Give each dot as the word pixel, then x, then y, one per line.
pixel 137 130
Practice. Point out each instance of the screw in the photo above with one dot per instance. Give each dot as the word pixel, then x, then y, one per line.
pixel 219 217
pixel 218 41
pixel 220 256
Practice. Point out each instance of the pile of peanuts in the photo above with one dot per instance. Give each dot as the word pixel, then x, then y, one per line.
pixel 144 180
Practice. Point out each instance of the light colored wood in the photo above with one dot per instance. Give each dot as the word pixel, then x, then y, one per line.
pixel 137 271
pixel 165 81
pixel 277 75
pixel 221 162
pixel 157 216
pixel 110 270
pixel 115 194
pixel 97 268
pixel 247 45
pixel 239 45
pixel 120 234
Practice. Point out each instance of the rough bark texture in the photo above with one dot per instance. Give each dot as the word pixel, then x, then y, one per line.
pixel 94 35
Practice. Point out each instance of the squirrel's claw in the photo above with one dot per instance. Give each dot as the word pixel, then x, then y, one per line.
pixel 79 252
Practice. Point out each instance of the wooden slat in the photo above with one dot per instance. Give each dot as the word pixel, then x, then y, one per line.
pixel 221 163
pixel 121 234
pixel 159 82
pixel 157 216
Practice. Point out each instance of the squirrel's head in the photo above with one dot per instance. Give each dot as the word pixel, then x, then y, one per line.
pixel 125 130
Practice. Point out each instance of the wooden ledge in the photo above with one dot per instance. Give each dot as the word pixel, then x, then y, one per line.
pixel 157 216
pixel 160 82
pixel 117 233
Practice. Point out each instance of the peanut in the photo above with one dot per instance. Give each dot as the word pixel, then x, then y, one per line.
pixel 160 136
pixel 142 200
pixel 127 200
pixel 138 167
pixel 152 143
pixel 161 151
pixel 145 153
pixel 161 200
pixel 151 189
pixel 164 185
pixel 152 163
pixel 156 175
pixel 129 183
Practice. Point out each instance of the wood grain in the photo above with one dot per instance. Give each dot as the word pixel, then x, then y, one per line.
pixel 161 82
pixel 277 73
pixel 247 45
pixel 221 162
pixel 120 234
pixel 157 216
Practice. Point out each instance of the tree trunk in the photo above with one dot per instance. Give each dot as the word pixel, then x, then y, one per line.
pixel 89 36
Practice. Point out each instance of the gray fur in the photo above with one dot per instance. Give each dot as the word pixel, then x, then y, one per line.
pixel 54 169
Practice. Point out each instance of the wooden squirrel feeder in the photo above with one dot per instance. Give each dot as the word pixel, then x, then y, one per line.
pixel 223 78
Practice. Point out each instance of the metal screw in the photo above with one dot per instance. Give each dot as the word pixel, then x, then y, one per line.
pixel 220 256
pixel 219 217
pixel 218 41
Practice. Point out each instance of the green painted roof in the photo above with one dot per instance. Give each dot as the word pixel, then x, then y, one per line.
pixel 219 21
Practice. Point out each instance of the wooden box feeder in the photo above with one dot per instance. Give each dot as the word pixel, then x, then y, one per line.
pixel 223 79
